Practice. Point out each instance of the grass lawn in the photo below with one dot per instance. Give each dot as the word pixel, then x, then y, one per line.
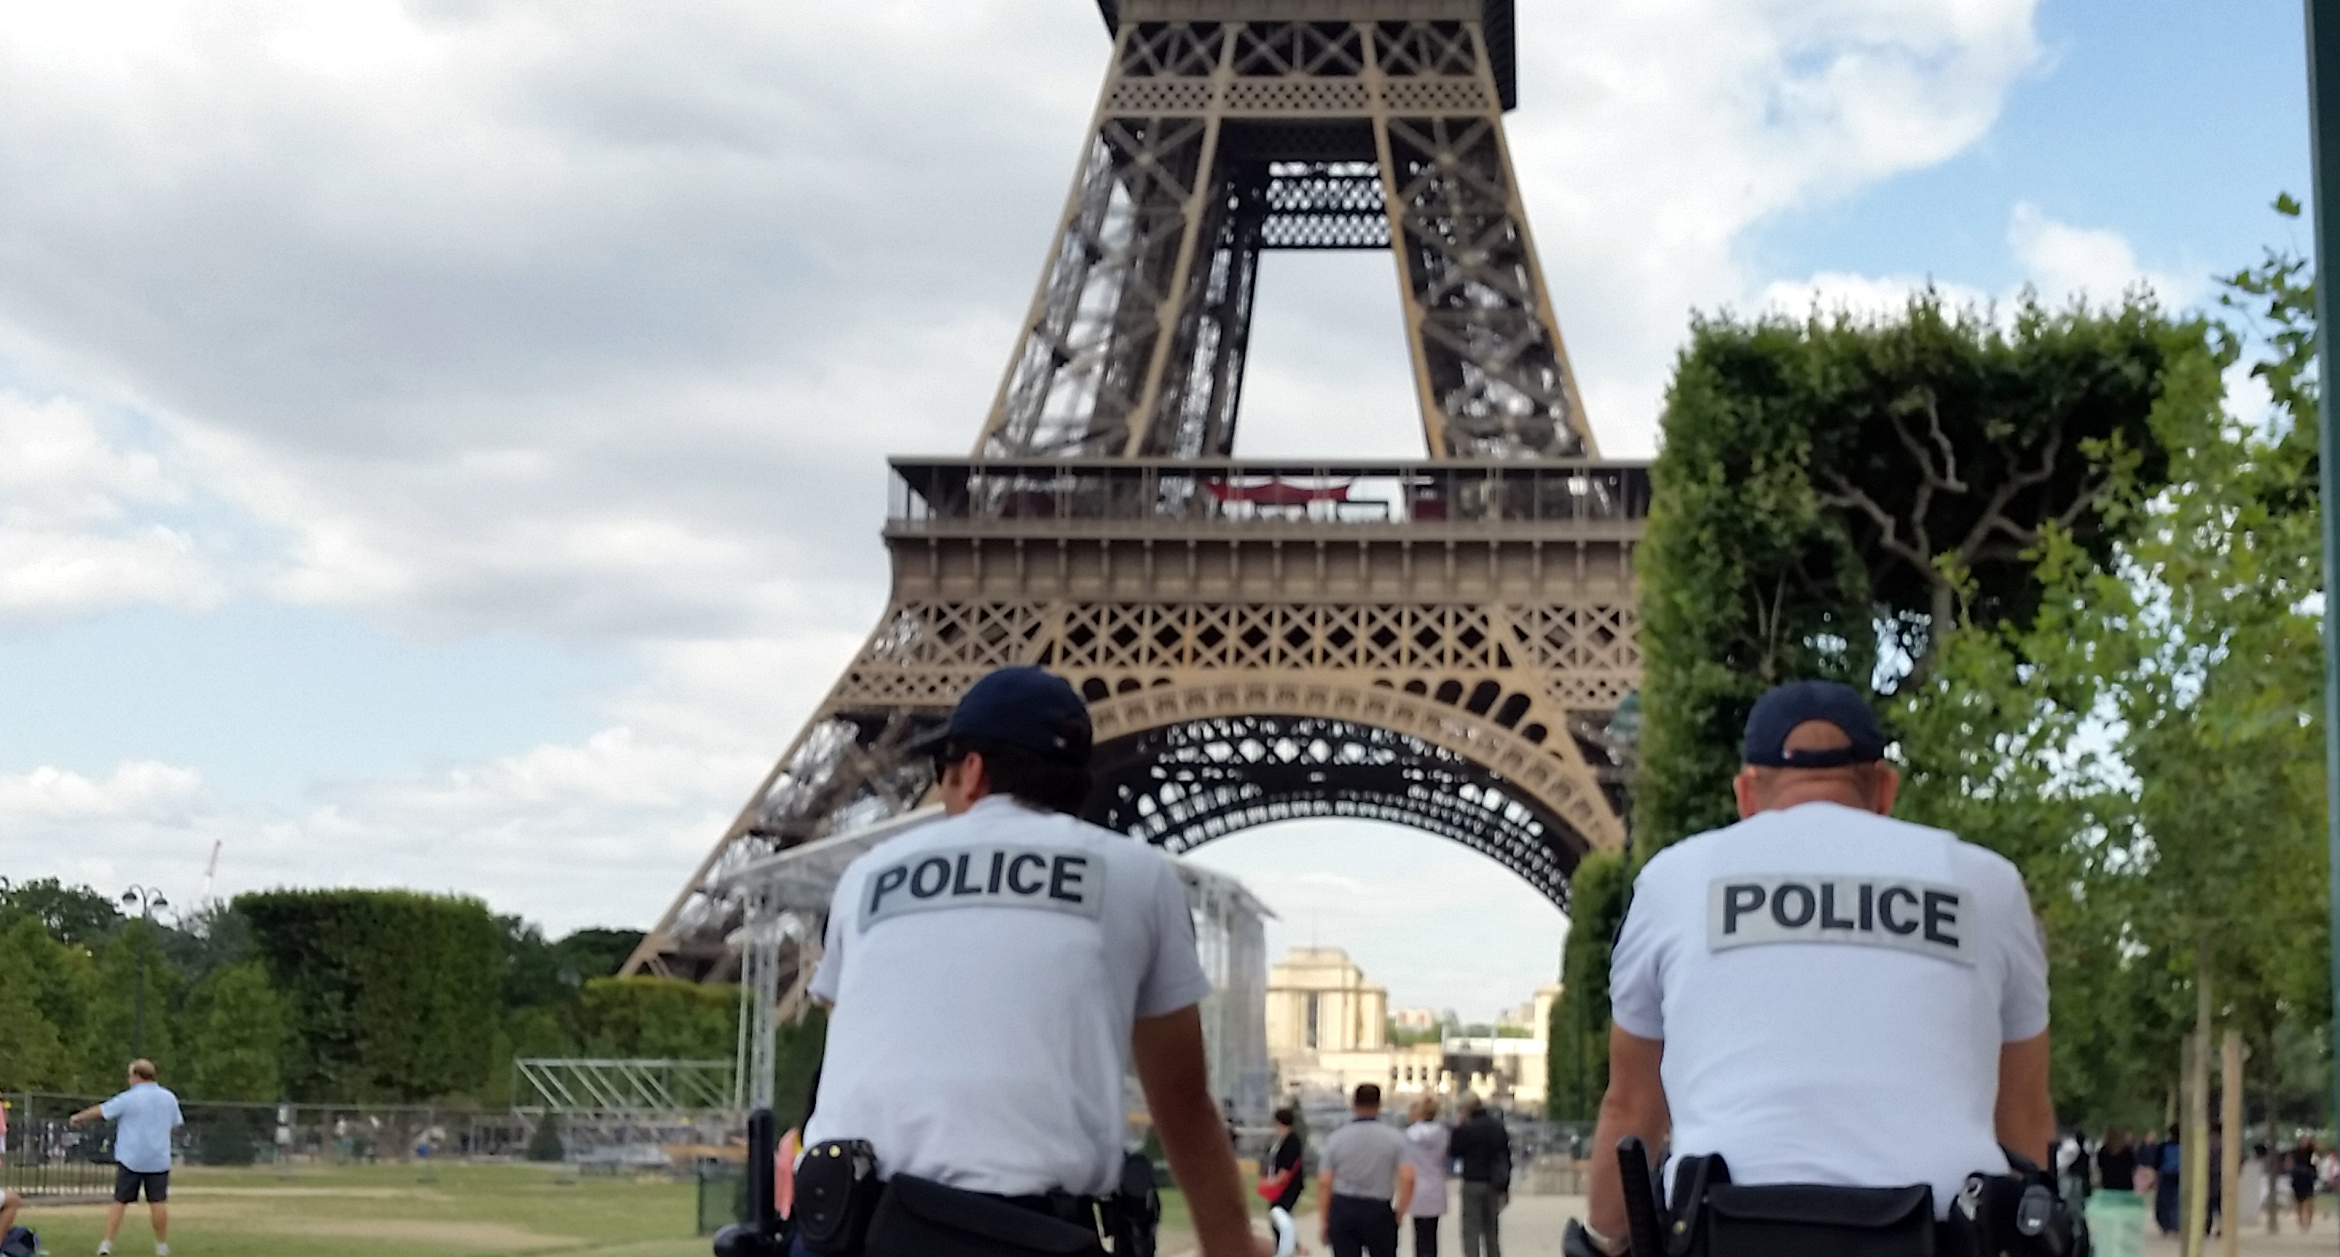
pixel 361 1211
pixel 452 1210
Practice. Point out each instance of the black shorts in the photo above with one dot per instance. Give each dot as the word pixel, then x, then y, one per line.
pixel 127 1183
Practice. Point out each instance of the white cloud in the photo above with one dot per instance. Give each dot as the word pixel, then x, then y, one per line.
pixel 76 530
pixel 2064 262
pixel 2059 263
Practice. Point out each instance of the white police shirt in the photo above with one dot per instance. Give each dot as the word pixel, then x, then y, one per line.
pixel 985 970
pixel 1832 988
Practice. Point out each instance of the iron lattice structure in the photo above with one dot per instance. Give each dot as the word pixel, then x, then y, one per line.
pixel 1438 643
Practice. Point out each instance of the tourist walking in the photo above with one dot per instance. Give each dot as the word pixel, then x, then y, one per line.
pixel 144 1115
pixel 2302 1170
pixel 2116 1162
pixel 1283 1162
pixel 1364 1184
pixel 1482 1150
pixel 1427 1151
pixel 2169 1157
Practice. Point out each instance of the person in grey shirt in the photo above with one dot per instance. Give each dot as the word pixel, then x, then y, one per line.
pixel 1363 1182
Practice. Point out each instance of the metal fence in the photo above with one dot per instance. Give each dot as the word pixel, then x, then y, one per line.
pixel 246 1134
pixel 44 1158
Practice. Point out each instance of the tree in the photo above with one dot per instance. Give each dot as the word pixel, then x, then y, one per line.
pixel 34 1053
pixel 111 1000
pixel 233 1029
pixel 1919 505
pixel 74 915
pixel 1576 1058
pixel 657 1018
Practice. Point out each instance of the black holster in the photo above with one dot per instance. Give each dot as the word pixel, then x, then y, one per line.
pixel 1133 1213
pixel 2019 1213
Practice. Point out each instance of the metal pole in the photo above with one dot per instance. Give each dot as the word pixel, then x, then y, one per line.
pixel 2323 41
pixel 138 999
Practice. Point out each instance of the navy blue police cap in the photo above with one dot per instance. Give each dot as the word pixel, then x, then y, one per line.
pixel 1778 712
pixel 1022 707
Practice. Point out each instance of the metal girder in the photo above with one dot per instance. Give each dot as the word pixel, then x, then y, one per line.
pixel 1229 127
pixel 1183 785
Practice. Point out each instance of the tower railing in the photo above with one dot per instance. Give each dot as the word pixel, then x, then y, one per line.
pixel 959 496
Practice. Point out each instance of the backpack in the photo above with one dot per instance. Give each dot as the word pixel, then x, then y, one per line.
pixel 20 1242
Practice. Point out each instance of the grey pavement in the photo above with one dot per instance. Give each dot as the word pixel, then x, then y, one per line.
pixel 1532 1225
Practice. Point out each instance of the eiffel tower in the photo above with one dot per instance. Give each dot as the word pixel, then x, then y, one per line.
pixel 1438 642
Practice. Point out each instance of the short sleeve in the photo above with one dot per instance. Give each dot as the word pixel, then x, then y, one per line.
pixel 111 1110
pixel 2023 993
pixel 831 969
pixel 1174 976
pixel 178 1118
pixel 1329 1160
pixel 1636 991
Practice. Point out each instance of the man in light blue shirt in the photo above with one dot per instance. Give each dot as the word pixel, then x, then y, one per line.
pixel 144 1117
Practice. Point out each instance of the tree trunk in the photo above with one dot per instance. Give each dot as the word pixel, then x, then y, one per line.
pixel 2230 1121
pixel 2194 1177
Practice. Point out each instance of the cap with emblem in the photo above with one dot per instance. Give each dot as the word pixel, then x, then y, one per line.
pixel 1778 713
pixel 1023 707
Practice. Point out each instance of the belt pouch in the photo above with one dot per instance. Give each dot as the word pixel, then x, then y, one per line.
pixel 1817 1220
pixel 837 1189
pixel 919 1217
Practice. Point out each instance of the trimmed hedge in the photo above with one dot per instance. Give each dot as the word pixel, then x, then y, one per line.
pixel 389 996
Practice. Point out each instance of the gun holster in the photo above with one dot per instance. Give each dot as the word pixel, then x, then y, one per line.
pixel 1133 1213
pixel 2019 1213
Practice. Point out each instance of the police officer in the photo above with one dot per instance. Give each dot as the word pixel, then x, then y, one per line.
pixel 1820 993
pixel 996 973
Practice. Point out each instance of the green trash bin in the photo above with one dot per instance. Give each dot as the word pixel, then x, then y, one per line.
pixel 2116 1224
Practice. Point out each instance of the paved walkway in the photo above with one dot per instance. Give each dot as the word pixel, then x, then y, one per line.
pixel 1532 1225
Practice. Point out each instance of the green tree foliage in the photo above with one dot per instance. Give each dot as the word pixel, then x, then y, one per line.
pixel 1828 486
pixel 34 1051
pixel 1576 1060
pixel 1916 505
pixel 657 1018
pixel 233 1033
pixel 74 915
pixel 389 995
pixel 796 1062
pixel 112 1017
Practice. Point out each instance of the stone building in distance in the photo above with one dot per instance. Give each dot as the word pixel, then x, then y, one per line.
pixel 1328 1030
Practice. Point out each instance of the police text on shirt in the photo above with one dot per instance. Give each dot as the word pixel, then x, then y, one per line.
pixel 985 875
pixel 1744 910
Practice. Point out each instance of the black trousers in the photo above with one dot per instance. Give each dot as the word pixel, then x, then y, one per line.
pixel 1425 1237
pixel 1361 1225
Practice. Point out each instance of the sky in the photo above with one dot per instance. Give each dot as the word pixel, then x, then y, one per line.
pixel 442 444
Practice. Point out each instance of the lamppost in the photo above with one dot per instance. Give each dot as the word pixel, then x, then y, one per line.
pixel 2323 41
pixel 145 899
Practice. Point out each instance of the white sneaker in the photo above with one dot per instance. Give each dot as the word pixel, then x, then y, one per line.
pixel 162 1250
pixel 105 1248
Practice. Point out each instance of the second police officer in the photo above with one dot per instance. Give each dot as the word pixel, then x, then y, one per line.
pixel 994 975
pixel 1823 995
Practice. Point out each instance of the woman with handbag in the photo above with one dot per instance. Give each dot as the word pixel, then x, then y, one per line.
pixel 1281 1182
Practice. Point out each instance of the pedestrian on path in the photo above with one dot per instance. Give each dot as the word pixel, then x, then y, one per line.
pixel 1426 1151
pixel 2303 1181
pixel 1284 1161
pixel 144 1115
pixel 1364 1184
pixel 1483 1149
